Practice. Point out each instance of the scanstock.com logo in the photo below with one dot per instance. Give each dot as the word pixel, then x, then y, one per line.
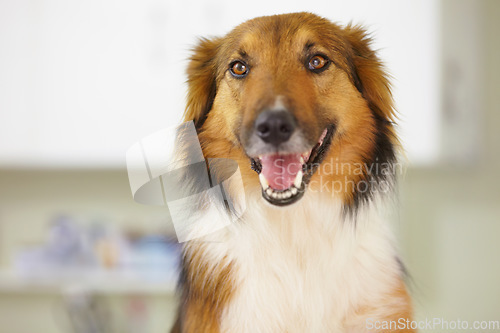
pixel 167 168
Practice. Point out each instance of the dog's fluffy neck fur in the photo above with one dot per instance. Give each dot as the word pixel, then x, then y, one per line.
pixel 306 268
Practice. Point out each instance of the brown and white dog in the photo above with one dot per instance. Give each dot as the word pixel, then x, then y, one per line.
pixel 304 106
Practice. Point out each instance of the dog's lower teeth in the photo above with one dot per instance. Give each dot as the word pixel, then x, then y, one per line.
pixel 282 195
pixel 286 194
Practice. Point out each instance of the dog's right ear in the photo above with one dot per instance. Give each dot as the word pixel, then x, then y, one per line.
pixel 202 84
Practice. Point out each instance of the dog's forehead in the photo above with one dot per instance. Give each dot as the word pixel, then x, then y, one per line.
pixel 283 40
pixel 291 33
pixel 259 41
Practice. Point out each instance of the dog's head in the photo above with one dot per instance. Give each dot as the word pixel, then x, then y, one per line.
pixel 288 95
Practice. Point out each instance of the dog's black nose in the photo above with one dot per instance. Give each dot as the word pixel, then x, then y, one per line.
pixel 275 127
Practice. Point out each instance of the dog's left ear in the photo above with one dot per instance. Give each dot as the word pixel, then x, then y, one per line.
pixel 202 85
pixel 369 75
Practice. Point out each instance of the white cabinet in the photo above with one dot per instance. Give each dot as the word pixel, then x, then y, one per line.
pixel 81 81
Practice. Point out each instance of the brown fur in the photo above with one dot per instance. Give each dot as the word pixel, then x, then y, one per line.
pixel 354 95
pixel 207 290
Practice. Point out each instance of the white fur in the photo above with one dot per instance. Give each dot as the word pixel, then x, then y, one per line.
pixel 279 103
pixel 303 268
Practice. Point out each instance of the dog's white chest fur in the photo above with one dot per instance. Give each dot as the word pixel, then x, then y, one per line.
pixel 304 268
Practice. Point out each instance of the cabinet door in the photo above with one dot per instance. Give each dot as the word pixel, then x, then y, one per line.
pixel 81 81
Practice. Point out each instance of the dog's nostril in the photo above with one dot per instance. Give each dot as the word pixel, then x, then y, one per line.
pixel 263 129
pixel 284 129
pixel 275 127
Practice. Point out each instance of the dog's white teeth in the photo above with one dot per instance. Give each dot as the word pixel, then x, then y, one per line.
pixel 263 181
pixel 302 160
pixel 281 195
pixel 298 179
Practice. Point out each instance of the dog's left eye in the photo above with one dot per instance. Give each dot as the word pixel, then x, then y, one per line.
pixel 238 69
pixel 318 63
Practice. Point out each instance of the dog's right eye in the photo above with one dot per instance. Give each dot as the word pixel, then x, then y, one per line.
pixel 318 63
pixel 238 69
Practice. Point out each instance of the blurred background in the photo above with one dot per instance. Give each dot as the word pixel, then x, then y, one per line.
pixel 81 81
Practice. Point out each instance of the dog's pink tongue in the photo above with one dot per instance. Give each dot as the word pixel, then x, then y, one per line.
pixel 280 170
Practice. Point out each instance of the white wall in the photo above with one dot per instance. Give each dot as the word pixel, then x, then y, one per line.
pixel 80 82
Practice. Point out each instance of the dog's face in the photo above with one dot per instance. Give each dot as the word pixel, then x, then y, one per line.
pixel 287 95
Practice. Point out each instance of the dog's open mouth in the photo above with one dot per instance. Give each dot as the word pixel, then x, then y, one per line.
pixel 284 177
